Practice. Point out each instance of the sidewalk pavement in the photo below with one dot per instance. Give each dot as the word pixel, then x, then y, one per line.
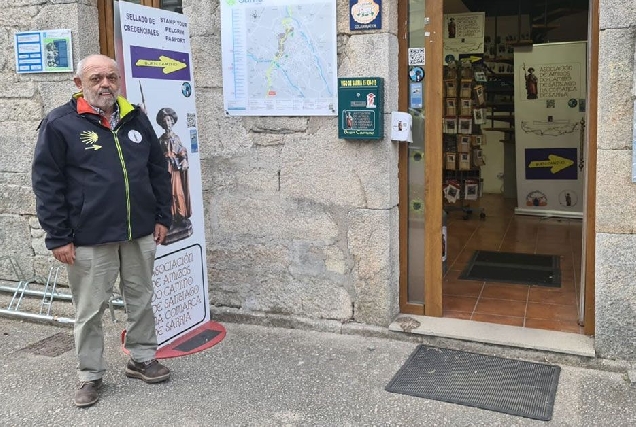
pixel 268 376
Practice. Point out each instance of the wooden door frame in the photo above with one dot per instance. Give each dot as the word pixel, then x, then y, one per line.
pixel 433 86
pixel 589 230
pixel 433 203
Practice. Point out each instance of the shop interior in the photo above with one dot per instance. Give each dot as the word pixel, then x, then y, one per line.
pixel 486 209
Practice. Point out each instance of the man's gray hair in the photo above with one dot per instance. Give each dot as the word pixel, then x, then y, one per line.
pixel 82 63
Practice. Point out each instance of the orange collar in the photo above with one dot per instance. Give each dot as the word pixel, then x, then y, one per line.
pixel 83 107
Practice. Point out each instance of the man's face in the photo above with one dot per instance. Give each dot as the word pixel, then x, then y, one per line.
pixel 99 83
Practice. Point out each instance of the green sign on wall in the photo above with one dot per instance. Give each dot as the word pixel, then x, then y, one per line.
pixel 360 108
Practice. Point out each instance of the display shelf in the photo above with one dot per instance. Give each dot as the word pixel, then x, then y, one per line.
pixel 498 129
pixel 508 119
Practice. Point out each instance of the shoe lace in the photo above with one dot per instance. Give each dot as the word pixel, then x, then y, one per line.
pixel 84 383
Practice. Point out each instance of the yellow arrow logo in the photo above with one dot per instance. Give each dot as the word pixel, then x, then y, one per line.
pixel 556 163
pixel 93 147
pixel 169 65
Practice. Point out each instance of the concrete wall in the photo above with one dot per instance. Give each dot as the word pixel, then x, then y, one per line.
pixel 616 194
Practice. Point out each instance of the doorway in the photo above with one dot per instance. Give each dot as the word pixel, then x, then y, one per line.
pixel 432 288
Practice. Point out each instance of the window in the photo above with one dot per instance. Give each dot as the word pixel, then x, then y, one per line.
pixel 105 9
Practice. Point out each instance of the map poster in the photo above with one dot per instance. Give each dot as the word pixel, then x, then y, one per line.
pixel 279 58
pixel 153 47
pixel 550 143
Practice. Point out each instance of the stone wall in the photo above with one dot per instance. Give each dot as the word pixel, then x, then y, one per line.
pixel 616 194
pixel 299 222
pixel 24 99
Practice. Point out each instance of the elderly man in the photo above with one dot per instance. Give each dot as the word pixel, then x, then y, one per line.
pixel 104 197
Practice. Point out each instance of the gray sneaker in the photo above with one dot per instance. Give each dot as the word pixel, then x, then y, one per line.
pixel 150 372
pixel 86 393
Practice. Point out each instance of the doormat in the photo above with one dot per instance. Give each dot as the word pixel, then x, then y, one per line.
pixel 509 386
pixel 524 269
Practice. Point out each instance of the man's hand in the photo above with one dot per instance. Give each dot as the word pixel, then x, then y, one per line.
pixel 65 254
pixel 160 233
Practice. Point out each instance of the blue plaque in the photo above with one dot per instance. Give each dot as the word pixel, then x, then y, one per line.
pixel 365 15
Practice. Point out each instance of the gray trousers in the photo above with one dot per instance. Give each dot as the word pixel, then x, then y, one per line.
pixel 91 279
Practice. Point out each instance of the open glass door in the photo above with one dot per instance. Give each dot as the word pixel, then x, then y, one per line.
pixel 420 165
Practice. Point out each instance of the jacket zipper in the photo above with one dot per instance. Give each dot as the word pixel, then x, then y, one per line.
pixel 126 184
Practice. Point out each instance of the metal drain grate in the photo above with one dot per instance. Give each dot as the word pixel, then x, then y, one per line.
pixel 52 346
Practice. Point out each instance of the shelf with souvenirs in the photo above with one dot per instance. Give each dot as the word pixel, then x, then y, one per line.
pixel 464 114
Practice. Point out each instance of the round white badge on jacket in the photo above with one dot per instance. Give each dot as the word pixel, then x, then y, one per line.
pixel 134 136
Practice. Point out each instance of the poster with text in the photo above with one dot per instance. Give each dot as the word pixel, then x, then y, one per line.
pixel 153 48
pixel 550 101
pixel 463 34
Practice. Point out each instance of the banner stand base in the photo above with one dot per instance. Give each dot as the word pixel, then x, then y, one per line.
pixel 199 339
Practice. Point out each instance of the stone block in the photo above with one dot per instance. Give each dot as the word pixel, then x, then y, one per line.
pixel 6 4
pixel 248 256
pixel 21 110
pixel 615 296
pixel 252 216
pixel 339 172
pixel 12 89
pixel 615 193
pixel 616 67
pixel 279 294
pixel 276 125
pixel 54 94
pixel 15 242
pixel 616 14
pixel 257 171
pixel 208 70
pixel 204 17
pixel 17 142
pixel 368 54
pixel 16 195
pixel 87 23
pixel 371 238
pixel 15 13
pixel 219 135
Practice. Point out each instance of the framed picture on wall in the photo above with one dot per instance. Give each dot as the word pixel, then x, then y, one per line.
pixel 466 89
pixel 465 125
pixel 450 124
pixel 480 76
pixel 466 106
pixel 480 98
pixel 451 88
pixel 479 116
pixel 451 107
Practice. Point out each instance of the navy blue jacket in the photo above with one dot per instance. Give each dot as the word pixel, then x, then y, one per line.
pixel 95 185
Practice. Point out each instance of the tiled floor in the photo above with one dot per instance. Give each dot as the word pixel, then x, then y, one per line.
pixel 511 304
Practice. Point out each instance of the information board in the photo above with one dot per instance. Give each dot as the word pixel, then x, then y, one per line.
pixel 360 108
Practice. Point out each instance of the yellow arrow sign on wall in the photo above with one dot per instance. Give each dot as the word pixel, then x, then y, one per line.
pixel 556 163
pixel 169 65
